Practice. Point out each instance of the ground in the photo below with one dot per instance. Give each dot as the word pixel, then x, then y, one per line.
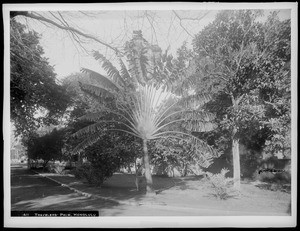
pixel 180 196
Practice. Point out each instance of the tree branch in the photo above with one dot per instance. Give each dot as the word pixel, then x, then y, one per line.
pixel 180 22
pixel 63 27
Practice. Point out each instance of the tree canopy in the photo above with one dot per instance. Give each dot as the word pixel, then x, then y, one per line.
pixel 47 147
pixel 33 85
pixel 245 62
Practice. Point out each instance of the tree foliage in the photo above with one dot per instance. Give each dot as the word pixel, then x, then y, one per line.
pixel 33 86
pixel 137 102
pixel 247 60
pixel 107 156
pixel 244 62
pixel 169 154
pixel 47 147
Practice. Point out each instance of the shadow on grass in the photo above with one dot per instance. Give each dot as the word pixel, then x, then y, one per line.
pixel 160 183
pixel 69 202
pixel 121 187
pixel 31 191
pixel 275 187
pixel 223 198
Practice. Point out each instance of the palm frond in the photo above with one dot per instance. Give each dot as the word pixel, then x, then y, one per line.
pixel 194 101
pixel 203 152
pixel 90 129
pixel 93 117
pixel 100 126
pixel 159 128
pixel 130 81
pixel 182 135
pixel 96 91
pixel 201 115
pixel 101 80
pixel 124 114
pixel 197 121
pixel 138 64
pixel 125 131
pixel 145 106
pixel 190 103
pixel 110 69
pixel 198 153
pixel 143 60
pixel 90 140
pixel 203 159
pixel 203 148
pixel 199 126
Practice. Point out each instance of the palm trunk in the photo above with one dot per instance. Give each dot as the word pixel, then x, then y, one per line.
pixel 148 175
pixel 236 163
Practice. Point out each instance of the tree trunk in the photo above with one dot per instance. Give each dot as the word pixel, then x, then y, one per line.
pixel 148 175
pixel 235 146
pixel 236 163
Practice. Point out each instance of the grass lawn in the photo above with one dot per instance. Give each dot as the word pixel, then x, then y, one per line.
pixel 187 192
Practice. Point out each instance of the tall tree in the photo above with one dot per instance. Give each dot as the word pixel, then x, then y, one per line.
pixel 238 59
pixel 134 101
pixel 32 84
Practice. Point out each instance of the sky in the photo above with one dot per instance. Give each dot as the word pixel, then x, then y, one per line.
pixel 115 27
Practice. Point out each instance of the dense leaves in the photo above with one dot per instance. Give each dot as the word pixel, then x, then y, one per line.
pixel 47 147
pixel 106 157
pixel 169 154
pixel 245 63
pixel 33 86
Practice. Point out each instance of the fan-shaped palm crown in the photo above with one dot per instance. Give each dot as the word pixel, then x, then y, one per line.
pixel 140 102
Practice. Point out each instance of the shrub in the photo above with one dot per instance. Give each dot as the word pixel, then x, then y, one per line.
pixel 104 158
pixel 93 175
pixel 47 147
pixel 222 186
